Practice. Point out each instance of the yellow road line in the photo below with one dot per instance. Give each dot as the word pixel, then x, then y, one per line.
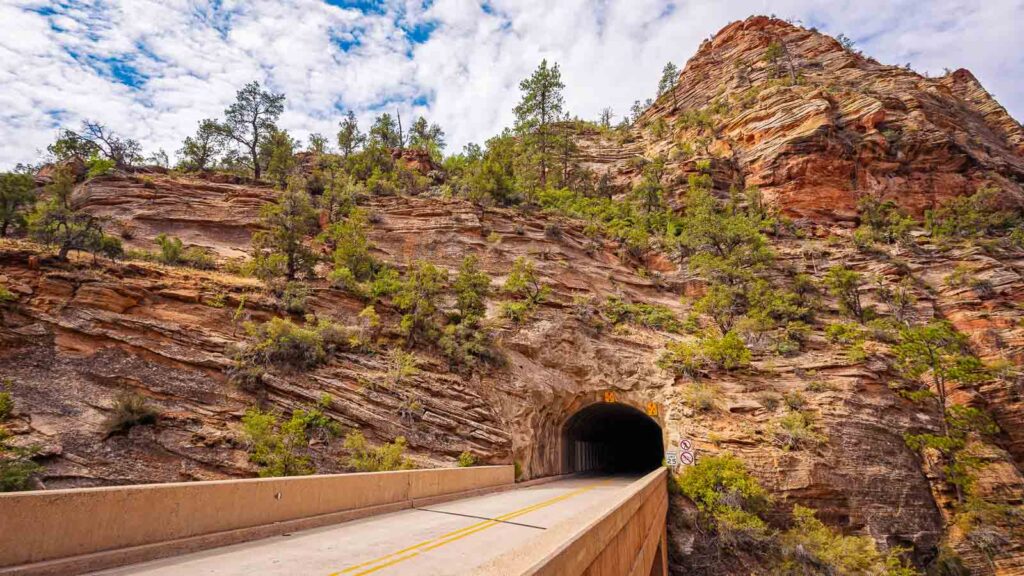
pixel 444 539
pixel 485 523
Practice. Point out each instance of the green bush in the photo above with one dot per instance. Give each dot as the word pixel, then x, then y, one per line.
pixel 515 311
pixel 279 342
pixel 524 283
pixel 174 253
pixel 647 315
pixel 199 258
pixel 6 405
pixel 702 397
pixel 624 221
pixel 294 298
pixel 730 501
pixel 16 464
pixel 386 283
pixel 280 247
pixel 6 295
pixel 683 358
pixel 727 352
pixel 315 422
pixel 351 246
pixel 884 221
pixel 170 249
pixel 279 449
pixel 846 333
pixel 418 298
pixel 130 409
pixel 845 285
pixel 795 431
pixel 401 366
pixel 971 216
pixel 467 344
pixel 811 547
pixel 466 459
pixel 98 166
pixel 795 400
pixel 383 458
pixel 472 287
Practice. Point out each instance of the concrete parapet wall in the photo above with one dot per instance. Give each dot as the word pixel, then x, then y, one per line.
pixel 40 531
pixel 625 537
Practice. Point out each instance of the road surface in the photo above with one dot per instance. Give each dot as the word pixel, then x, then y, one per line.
pixel 449 538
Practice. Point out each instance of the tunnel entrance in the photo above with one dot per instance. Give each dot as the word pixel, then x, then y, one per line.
pixel 611 438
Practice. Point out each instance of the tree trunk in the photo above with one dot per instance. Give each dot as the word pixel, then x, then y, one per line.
pixel 3 228
pixel 255 163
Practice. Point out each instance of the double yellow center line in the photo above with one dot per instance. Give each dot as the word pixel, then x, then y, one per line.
pixel 404 554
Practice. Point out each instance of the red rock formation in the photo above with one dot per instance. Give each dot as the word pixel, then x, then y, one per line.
pixel 825 125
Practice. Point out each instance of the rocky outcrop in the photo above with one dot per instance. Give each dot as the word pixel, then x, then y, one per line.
pixel 820 126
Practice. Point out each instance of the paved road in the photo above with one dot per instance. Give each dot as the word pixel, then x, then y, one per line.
pixel 449 538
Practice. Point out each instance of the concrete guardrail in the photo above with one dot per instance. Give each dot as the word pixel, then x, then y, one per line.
pixel 624 537
pixel 74 531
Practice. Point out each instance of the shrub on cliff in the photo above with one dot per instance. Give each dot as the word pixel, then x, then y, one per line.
pixel 173 252
pixel 280 342
pixel 278 448
pixel 979 214
pixel 884 221
pixel 845 284
pixel 727 352
pixel 472 286
pixel 280 247
pixel 351 248
pixel 811 547
pixel 418 299
pixel 467 459
pixel 384 458
pixel 525 287
pixel 130 410
pixel 6 295
pixel 796 431
pixel 6 400
pixel 648 315
pixel 16 464
pixel 729 499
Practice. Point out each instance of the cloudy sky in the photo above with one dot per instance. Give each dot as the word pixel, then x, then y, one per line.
pixel 152 69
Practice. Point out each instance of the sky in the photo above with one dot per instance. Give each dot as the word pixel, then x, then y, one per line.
pixel 151 70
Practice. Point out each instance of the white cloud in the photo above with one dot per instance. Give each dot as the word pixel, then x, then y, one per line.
pixel 55 56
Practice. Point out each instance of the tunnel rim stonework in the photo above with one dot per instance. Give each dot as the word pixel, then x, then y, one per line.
pixel 647 429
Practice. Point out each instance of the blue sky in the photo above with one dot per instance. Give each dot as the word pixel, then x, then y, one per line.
pixel 152 69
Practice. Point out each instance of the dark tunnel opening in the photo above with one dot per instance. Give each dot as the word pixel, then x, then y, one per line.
pixel 612 439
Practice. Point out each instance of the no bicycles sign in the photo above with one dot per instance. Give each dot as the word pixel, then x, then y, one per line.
pixel 685 456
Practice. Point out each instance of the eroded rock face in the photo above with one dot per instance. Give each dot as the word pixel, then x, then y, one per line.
pixel 80 333
pixel 823 126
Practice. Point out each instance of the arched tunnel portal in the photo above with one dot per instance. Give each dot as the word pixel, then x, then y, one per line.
pixel 611 438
